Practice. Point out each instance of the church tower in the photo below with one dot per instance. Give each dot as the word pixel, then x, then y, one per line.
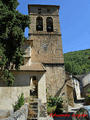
pixel 46 39
pixel 45 32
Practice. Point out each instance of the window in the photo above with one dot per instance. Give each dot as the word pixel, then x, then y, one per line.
pixel 39 24
pixel 49 22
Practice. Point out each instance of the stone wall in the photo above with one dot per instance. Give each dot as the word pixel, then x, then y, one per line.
pixel 70 95
pixel 55 82
pixel 86 80
pixel 33 9
pixel 20 114
pixel 86 90
pixel 8 97
pixel 55 78
pixel 48 48
pixel 70 87
pixel 42 89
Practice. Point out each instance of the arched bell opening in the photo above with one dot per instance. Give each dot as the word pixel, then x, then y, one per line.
pixel 39 24
pixel 49 23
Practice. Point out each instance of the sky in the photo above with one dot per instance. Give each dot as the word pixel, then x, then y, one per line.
pixel 74 21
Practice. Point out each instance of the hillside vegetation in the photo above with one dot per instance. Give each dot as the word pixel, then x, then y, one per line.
pixel 77 62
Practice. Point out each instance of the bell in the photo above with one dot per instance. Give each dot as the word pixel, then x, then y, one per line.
pixel 39 26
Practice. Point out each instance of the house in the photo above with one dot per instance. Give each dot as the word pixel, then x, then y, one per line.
pixel 85 83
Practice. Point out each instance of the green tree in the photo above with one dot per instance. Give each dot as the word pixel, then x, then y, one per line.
pixel 12 26
pixel 77 62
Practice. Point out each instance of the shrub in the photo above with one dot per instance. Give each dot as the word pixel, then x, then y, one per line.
pixel 87 98
pixel 51 109
pixel 52 101
pixel 19 103
pixel 55 105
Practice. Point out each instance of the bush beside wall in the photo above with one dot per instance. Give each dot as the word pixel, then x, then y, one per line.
pixel 21 114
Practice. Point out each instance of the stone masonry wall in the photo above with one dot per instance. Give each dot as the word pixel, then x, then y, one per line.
pixel 8 97
pixel 55 81
pixel 20 114
pixel 55 77
pixel 48 48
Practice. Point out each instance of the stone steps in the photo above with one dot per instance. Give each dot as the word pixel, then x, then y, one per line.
pixel 33 109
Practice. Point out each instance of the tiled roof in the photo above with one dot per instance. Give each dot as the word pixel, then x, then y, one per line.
pixel 33 67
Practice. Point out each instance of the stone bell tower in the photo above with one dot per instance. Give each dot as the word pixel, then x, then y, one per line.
pixel 46 36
